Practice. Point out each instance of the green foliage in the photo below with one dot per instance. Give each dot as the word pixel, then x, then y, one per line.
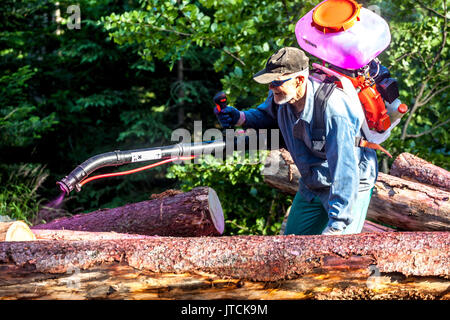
pixel 242 34
pixel 69 94
pixel 249 205
pixel 418 57
pixel 19 184
pixel 20 122
pixel 146 125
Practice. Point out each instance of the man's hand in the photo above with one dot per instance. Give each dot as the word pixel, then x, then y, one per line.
pixel 228 117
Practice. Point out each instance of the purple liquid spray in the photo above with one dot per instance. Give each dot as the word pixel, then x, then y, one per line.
pixel 51 210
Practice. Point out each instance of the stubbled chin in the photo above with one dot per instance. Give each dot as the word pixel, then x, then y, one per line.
pixel 280 99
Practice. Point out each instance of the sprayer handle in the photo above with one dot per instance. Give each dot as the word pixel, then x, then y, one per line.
pixel 220 99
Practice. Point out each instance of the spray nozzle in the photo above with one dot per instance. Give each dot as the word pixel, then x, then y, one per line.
pixel 68 184
pixel 63 187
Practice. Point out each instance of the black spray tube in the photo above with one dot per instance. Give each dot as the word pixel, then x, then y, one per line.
pixel 118 157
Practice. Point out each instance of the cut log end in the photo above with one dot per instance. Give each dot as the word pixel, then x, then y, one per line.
pixel 215 210
pixel 15 231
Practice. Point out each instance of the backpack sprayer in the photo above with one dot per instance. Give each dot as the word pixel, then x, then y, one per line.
pixel 348 38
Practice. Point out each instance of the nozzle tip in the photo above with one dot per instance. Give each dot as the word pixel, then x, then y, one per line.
pixel 63 187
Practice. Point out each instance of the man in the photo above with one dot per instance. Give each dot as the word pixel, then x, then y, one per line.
pixel 336 176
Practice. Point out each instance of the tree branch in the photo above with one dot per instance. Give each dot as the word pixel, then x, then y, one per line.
pixel 185 35
pixel 428 131
pixel 9 114
pixel 162 29
pixel 405 55
pixel 444 35
pixel 431 9
pixel 432 94
pixel 413 109
pixel 418 103
pixel 233 56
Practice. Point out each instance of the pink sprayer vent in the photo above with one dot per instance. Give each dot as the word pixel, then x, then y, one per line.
pixel 349 49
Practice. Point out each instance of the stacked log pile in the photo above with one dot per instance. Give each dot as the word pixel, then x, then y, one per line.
pixel 171 247
pixel 404 204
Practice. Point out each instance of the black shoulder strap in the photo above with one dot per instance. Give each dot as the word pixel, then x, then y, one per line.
pixel 320 103
pixel 318 133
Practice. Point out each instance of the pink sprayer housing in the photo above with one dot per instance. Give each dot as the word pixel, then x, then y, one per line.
pixel 349 49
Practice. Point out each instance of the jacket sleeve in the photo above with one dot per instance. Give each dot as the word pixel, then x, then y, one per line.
pixel 262 117
pixel 344 170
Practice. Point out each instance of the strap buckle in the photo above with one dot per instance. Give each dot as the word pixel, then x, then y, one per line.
pixel 362 143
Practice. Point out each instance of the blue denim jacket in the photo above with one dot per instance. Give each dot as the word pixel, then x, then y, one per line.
pixel 345 170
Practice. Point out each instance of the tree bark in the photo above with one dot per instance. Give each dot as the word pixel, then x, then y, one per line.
pixel 409 205
pixel 15 231
pixel 365 266
pixel 42 234
pixel 396 202
pixel 410 167
pixel 370 226
pixel 194 213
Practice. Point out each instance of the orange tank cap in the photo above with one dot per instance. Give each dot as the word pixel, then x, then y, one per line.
pixel 402 108
pixel 336 15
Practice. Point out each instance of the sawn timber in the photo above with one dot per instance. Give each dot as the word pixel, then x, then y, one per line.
pixel 172 213
pixel 397 265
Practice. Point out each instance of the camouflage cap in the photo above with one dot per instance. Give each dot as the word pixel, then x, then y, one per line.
pixel 284 61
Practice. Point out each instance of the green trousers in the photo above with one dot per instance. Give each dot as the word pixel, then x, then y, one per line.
pixel 308 218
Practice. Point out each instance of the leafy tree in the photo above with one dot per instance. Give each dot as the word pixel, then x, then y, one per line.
pixel 250 206
pixel 21 123
pixel 418 57
pixel 241 34
pixel 67 94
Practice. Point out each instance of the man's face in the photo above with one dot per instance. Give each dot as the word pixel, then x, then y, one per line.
pixel 285 92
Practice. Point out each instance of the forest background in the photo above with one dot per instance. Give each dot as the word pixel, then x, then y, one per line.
pixel 128 73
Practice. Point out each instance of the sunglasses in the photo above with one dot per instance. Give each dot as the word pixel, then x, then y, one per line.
pixel 278 83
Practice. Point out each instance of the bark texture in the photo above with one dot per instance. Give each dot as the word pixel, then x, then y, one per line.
pixel 194 213
pixel 411 167
pixel 42 234
pixel 370 226
pixel 409 205
pixel 363 266
pixel 395 201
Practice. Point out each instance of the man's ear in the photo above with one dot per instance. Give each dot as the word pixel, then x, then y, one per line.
pixel 299 80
